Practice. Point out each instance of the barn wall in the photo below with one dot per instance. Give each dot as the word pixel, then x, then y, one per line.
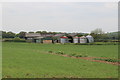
pixel 76 40
pixel 47 41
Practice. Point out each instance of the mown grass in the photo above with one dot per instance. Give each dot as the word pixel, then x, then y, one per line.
pixel 28 60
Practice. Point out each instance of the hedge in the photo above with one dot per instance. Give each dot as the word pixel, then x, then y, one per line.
pixel 14 40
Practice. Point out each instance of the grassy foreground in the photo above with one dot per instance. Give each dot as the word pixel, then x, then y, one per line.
pixel 27 60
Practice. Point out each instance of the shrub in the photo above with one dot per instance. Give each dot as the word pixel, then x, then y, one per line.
pixel 85 55
pixel 72 54
pixel 98 43
pixel 50 51
pixel 14 40
pixel 78 55
pixel 108 60
pixel 60 52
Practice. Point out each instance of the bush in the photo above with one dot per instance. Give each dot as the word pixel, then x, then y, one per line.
pixel 14 40
pixel 60 52
pixel 78 55
pixel 98 43
pixel 50 51
pixel 81 43
pixel 85 55
pixel 108 60
pixel 72 54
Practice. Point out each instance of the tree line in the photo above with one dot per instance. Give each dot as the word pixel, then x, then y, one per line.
pixel 21 34
pixel 101 36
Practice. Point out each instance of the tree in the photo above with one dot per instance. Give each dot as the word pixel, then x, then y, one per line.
pixel 44 32
pixel 21 34
pixel 54 32
pixel 98 34
pixel 79 35
pixel 39 32
pixel 30 32
pixel 9 35
pixel 97 31
pixel 4 34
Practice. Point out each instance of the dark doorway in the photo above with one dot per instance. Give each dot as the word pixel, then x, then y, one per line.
pixel 70 39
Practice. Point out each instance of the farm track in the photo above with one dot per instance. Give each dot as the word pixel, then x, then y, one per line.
pixel 92 59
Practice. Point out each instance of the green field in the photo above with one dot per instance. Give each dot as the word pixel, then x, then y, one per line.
pixel 30 60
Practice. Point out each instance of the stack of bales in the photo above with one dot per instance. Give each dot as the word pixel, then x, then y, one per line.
pixel 64 39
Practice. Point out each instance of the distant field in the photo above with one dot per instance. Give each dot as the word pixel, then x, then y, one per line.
pixel 30 60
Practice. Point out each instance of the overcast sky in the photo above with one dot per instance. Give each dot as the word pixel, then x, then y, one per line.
pixel 60 16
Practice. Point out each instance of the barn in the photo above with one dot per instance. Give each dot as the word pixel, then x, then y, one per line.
pixel 76 39
pixel 90 38
pixel 83 39
pixel 58 38
pixel 64 39
pixel 47 40
pixel 33 37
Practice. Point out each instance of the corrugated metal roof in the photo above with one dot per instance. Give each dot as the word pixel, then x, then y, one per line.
pixel 47 35
pixel 72 34
pixel 64 37
pixel 76 37
pixel 32 35
pixel 48 38
pixel 82 37
pixel 57 35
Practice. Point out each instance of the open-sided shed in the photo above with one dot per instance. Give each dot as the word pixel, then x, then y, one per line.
pixel 33 37
pixel 47 40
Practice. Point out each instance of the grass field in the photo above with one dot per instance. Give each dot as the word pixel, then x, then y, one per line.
pixel 30 60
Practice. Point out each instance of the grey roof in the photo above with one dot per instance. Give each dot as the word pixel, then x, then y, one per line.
pixel 32 35
pixel 82 37
pixel 47 35
pixel 72 34
pixel 58 35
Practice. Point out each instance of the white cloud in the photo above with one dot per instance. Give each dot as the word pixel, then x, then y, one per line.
pixel 82 17
pixel 111 5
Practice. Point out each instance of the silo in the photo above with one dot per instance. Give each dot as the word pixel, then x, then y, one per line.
pixel 83 39
pixel 90 38
pixel 75 39
pixel 63 39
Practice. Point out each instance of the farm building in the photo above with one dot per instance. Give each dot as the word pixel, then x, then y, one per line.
pixel 58 38
pixel 47 40
pixel 90 38
pixel 33 37
pixel 64 39
pixel 83 39
pixel 70 39
pixel 47 35
pixel 75 39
